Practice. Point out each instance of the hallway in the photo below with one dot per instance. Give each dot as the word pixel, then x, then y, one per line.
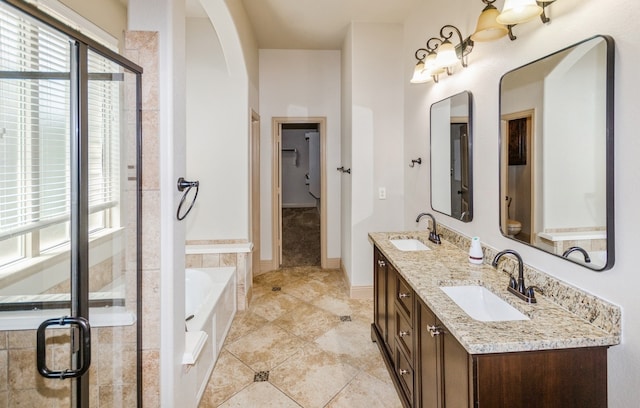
pixel 302 343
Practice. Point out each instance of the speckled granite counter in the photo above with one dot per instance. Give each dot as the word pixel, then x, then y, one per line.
pixel 551 326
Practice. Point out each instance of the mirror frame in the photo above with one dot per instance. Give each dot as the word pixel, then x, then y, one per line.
pixel 609 152
pixel 469 218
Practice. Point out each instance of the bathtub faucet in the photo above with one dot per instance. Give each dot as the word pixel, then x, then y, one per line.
pixel 433 235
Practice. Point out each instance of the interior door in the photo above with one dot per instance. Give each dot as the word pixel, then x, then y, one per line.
pixel 69 210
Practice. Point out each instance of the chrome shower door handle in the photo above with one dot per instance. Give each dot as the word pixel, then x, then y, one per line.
pixel 84 345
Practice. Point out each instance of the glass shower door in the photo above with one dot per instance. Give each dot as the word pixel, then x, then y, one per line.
pixel 69 210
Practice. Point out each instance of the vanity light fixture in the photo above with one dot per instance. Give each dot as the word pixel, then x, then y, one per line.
pixel 448 54
pixel 426 69
pixel 520 11
pixel 487 28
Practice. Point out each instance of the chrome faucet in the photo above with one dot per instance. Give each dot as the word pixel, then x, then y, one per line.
pixel 518 287
pixel 433 235
pixel 577 248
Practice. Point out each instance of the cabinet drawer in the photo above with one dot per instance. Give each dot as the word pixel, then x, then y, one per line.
pixel 405 297
pixel 404 335
pixel 404 371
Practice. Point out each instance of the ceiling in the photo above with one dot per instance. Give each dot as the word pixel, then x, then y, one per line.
pixel 312 24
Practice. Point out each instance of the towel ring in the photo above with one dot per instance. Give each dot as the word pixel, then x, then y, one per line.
pixel 186 186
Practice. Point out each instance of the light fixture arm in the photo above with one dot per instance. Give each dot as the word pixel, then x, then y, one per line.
pixel 544 5
pixel 421 51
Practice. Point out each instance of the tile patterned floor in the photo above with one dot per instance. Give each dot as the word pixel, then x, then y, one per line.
pixel 305 345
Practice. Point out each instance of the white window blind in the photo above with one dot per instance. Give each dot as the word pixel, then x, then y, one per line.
pixel 35 131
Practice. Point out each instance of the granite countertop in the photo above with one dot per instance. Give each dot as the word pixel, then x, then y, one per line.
pixel 550 327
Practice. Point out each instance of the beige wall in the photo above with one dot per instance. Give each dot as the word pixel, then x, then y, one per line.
pixel 110 15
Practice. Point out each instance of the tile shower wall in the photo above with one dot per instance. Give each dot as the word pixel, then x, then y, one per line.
pixel 142 48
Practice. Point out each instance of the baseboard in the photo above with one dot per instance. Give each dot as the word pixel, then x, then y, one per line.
pixel 356 292
pixel 361 292
pixel 334 263
pixel 266 265
pixel 299 205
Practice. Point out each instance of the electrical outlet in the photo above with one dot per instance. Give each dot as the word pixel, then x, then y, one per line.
pixel 382 193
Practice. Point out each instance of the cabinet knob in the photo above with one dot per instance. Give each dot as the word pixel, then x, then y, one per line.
pixel 403 333
pixel 403 371
pixel 434 331
pixel 403 295
pixel 381 263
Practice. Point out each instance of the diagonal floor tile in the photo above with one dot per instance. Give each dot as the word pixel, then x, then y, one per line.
pixel 366 391
pixel 312 377
pixel 243 323
pixel 260 394
pixel 266 347
pixel 229 376
pixel 307 321
pixel 274 304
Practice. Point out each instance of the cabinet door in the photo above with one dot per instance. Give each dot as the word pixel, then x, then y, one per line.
pixel 429 358
pixel 456 365
pixel 390 298
pixel 380 290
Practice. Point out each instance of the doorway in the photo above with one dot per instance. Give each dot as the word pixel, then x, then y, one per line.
pixel 518 153
pixel 299 192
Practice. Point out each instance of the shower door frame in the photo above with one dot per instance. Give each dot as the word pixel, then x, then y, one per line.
pixel 79 179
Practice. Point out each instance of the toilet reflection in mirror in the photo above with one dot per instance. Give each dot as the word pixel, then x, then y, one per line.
pixel 556 153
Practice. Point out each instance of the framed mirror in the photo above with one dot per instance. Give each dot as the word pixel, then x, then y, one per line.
pixel 556 153
pixel 451 153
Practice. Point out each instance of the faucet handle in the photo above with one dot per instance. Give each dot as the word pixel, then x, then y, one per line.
pixel 530 293
pixel 512 283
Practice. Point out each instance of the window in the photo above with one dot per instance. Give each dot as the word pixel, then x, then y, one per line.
pixel 35 112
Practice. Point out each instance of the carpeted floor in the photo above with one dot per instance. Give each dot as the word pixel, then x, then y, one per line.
pixel 300 237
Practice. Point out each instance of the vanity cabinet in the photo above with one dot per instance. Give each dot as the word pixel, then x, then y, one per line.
pixel 431 369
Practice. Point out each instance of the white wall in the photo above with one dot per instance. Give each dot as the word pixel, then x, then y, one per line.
pixel 167 17
pixel 572 21
pixel 346 149
pixel 217 138
pixel 376 140
pixel 300 84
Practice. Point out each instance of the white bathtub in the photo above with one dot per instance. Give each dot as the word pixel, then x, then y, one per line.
pixel 210 305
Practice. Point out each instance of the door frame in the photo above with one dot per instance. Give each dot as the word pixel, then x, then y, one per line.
pixel 276 186
pixel 529 115
pixel 254 192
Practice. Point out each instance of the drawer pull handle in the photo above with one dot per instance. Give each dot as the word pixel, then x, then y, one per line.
pixel 434 331
pixel 404 333
pixel 403 295
pixel 403 371
pixel 381 263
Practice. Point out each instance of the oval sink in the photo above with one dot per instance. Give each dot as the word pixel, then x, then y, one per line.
pixel 409 244
pixel 482 304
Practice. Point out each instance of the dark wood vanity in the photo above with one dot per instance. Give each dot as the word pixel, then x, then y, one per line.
pixel 430 368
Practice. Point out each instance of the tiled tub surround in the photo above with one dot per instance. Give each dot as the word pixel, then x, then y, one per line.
pixel 564 317
pixel 213 254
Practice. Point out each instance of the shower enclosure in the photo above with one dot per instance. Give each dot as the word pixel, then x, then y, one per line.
pixel 69 216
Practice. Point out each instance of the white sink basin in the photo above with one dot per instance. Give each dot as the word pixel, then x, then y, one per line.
pixel 481 304
pixel 407 244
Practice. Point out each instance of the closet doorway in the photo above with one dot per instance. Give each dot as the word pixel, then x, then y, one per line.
pixel 299 192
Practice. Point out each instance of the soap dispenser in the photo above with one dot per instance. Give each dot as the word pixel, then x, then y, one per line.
pixel 475 251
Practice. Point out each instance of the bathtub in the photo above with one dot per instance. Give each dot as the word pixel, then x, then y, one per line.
pixel 210 305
